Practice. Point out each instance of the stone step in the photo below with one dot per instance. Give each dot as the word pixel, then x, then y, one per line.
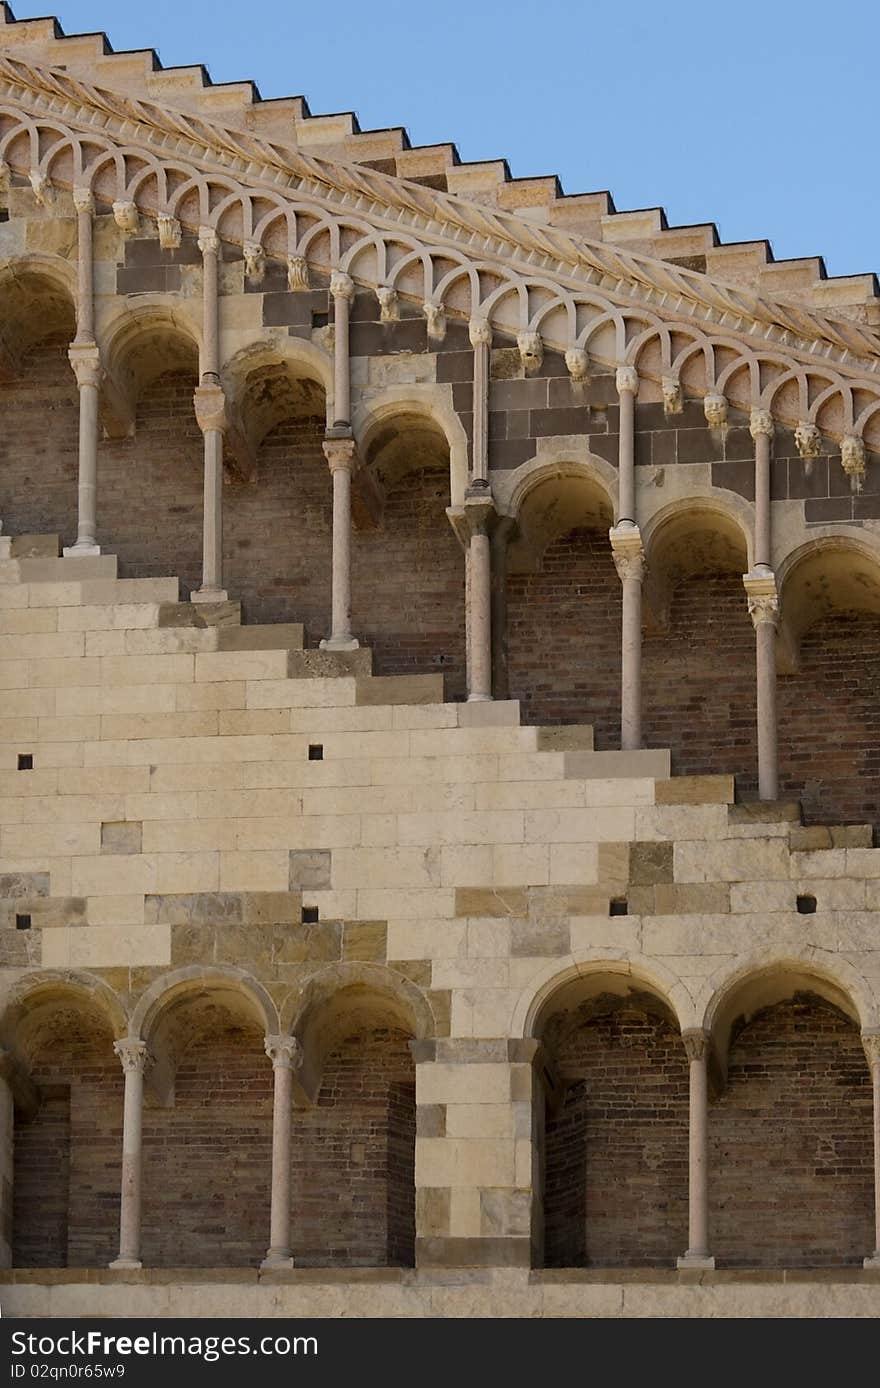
pixel 34 546
pixel 571 737
pixel 273 636
pixel 67 570
pixel 200 614
pixel 816 837
pixel 765 812
pixel 399 689
pixel 648 763
pixel 317 664
pixel 695 790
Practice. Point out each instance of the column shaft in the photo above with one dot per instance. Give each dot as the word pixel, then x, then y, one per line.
pixel 86 363
pixel 134 1058
pixel 697 1255
pixel 210 408
pixel 340 455
pixel 342 293
pixel 627 389
pixel 768 761
pixel 631 664
pixel 480 625
pixel 285 1054
pixel 481 338
pixel 871 1043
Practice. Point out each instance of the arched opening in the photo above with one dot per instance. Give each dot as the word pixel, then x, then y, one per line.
pixel 404 545
pixel 278 522
pixel 614 1154
pixel 790 1135
pixel 563 607
pixel 353 1151
pixel 831 609
pixel 67 1145
pixel 698 653
pixel 207 1130
pixel 39 404
pixel 151 482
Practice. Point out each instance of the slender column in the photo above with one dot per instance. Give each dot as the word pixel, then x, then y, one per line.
pixel 342 292
pixel 627 381
pixel 86 362
pixel 210 408
pixel 761 430
pixel 340 455
pixel 135 1060
pixel 209 245
pixel 871 1043
pixel 764 612
pixel 696 1044
pixel 479 511
pixel 480 334
pixel 499 540
pixel 285 1054
pixel 629 560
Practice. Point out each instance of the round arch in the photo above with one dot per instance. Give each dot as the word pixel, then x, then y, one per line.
pixel 408 405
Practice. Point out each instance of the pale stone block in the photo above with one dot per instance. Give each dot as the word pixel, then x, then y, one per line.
pixel 433 796
pixel 28 703
pixel 479 1120
pixel 835 893
pixel 115 910
pixel 68 729
pixel 254 871
pixel 102 780
pixel 482 1011
pixel 23 730
pixel 379 801
pixel 830 863
pixel 521 865
pixel 580 826
pixel 378 830
pixel 160 669
pixel 75 809
pixel 206 776
pixel 463 864
pixel 575 863
pixel 272 689
pixel 283 805
pixel 164 806
pixel 469 973
pixel 187 872
pixel 19 840
pixel 762 896
pixel 125 727
pixel 127 591
pixel 129 875
pixel 12 596
pixel 488 937
pixel 64 645
pixel 107 946
pixel 373 868
pixel 664 822
pixel 863 862
pixel 63 673
pixel 321 723
pixel 264 720
pixel 13 674
pixel 48 754
pixel 191 698
pixel 479 827
pixel 403 770
pixel 188 836
pixel 458 742
pixel 375 904
pixel 735 860
pixel 606 932
pixel 241 665
pixel 414 938
pixel 412 716
pixel 277 775
pixel 29 783
pixel 371 745
pixel 333 906
pixel 109 617
pixel 106 643
pixel 464 1209
pixel 166 641
pixel 496 713
pixel 90 699
pixel 475 1083
pixel 26 621
pixel 95 754
pixel 529 795
pixel 464 1162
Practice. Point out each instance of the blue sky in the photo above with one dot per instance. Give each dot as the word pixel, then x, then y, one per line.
pixel 757 116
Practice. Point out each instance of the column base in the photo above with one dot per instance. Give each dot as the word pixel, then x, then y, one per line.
pixel 340 643
pixel 209 595
pixel 695 1262
pixel 479 698
pixel 80 551
pixel 872 1262
pixel 125 1265
pixel 276 1259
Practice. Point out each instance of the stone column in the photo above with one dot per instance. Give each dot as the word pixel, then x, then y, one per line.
pixel 135 1060
pixel 286 1057
pixel 479 511
pixel 871 1043
pixel 340 455
pixel 86 362
pixel 627 382
pixel 629 560
pixel 7 1135
pixel 480 333
pixel 501 536
pixel 764 612
pixel 696 1044
pixel 761 430
pixel 210 407
pixel 342 293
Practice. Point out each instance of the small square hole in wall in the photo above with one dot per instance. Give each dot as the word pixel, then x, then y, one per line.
pixel 316 751
pixel 309 915
pixel 25 761
pixel 320 320
pixel 22 922
pixel 806 905
pixel 617 906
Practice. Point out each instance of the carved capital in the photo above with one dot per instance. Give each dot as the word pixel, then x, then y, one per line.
pixel 254 260
pixel 761 424
pixel 389 308
pixel 436 316
pixel 871 1044
pixel 170 231
pixel 627 552
pixel 627 378
pixel 671 388
pixel 479 508
pixel 83 200
pixel 341 285
pixel 126 217
pixel 808 440
pixel 577 363
pixel 210 407
pixel 209 241
pixel 43 190
pixel 762 598
pixel 715 410
pixel 340 453
pixel 297 272
pixel 134 1057
pixel 696 1043
pixel 480 332
pixel 531 350
pixel 86 362
pixel 852 457
pixel 285 1052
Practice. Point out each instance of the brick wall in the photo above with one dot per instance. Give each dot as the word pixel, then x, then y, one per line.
pixel 68 1158
pixel 353 1158
pixel 38 443
pixel 616 1150
pixel 791 1164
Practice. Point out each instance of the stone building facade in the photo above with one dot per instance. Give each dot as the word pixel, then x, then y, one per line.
pixel 439 653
